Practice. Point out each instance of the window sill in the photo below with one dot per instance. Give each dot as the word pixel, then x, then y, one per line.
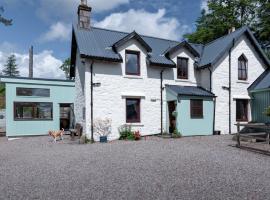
pixel 132 77
pixel 244 82
pixel 134 124
pixel 182 80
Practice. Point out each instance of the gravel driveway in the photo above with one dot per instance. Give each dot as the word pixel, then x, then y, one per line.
pixel 187 168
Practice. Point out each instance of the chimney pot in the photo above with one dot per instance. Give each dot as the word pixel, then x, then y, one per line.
pixel 31 62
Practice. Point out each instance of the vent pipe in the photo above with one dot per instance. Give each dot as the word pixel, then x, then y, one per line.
pixel 31 62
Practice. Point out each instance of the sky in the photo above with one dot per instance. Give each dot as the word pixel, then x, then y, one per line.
pixel 47 25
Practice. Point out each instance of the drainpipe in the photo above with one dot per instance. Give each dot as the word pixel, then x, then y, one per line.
pixel 210 71
pixel 161 101
pixel 230 86
pixel 92 116
pixel 214 118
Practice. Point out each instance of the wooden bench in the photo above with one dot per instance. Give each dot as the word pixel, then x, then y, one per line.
pixel 260 136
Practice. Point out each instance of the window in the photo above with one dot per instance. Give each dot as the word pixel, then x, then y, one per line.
pixel 33 111
pixel 241 110
pixel 196 108
pixel 133 110
pixel 38 92
pixel 182 68
pixel 242 68
pixel 133 63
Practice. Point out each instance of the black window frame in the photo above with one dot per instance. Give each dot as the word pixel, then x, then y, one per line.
pixel 244 116
pixel 138 73
pixel 29 92
pixel 196 111
pixel 31 105
pixel 138 119
pixel 242 68
pixel 182 72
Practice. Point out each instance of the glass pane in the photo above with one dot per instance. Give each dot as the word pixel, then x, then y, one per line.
pixel 44 111
pixel 133 110
pixel 132 63
pixel 33 92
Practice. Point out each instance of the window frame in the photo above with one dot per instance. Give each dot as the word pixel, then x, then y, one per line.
pixel 23 88
pixel 192 107
pixel 242 70
pixel 247 110
pixel 137 120
pixel 178 68
pixel 138 53
pixel 31 119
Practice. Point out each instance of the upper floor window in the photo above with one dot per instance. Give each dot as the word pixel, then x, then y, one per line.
pixel 37 92
pixel 182 68
pixel 242 68
pixel 132 63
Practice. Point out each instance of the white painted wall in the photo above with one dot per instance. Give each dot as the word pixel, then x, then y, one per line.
pixel 239 88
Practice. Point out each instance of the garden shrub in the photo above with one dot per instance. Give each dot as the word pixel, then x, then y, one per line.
pixel 125 132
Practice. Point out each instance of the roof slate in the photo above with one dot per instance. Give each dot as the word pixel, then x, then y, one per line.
pixel 98 43
pixel 263 82
pixel 190 91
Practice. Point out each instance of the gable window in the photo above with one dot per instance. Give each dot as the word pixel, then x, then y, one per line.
pixel 242 68
pixel 196 108
pixel 241 110
pixel 132 63
pixel 182 68
pixel 33 111
pixel 133 107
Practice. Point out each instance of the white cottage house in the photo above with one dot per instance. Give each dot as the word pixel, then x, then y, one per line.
pixel 140 76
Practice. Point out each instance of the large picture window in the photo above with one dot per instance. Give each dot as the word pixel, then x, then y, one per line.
pixel 132 63
pixel 196 108
pixel 133 110
pixel 33 111
pixel 241 110
pixel 242 68
pixel 38 92
pixel 182 68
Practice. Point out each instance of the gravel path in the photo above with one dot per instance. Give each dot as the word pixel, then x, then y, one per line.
pixel 187 168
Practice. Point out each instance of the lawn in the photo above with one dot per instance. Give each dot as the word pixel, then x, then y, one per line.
pixel 186 168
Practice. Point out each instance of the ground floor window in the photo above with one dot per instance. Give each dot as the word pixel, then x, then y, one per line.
pixel 196 108
pixel 133 107
pixel 241 110
pixel 33 111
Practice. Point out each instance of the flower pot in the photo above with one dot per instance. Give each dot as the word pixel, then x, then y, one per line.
pixel 103 139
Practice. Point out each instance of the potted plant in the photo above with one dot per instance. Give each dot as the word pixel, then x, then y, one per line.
pixel 103 128
pixel 267 113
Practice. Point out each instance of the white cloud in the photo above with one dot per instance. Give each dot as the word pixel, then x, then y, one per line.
pixel 147 23
pixel 204 5
pixel 45 64
pixel 58 31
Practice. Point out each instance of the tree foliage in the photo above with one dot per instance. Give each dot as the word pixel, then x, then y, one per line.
pixel 10 68
pixel 3 20
pixel 221 16
pixel 66 67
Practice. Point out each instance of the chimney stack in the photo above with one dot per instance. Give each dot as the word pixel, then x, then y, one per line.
pixel 231 30
pixel 31 62
pixel 84 12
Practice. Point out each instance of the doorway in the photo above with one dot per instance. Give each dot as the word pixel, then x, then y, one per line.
pixel 66 116
pixel 172 118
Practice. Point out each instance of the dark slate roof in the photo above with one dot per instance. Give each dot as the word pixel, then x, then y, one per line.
pixel 98 43
pixel 190 91
pixel 214 50
pixel 135 36
pixel 262 82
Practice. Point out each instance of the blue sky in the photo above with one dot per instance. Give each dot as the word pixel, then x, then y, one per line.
pixel 46 24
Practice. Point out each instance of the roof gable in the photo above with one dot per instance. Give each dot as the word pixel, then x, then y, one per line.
pixel 129 37
pixel 183 44
pixel 262 82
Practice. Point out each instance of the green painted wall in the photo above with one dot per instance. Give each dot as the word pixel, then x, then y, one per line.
pixel 190 127
pixel 60 92
pixel 260 100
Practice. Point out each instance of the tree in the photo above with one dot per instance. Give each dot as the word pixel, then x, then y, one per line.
pixel 66 67
pixel 263 31
pixel 222 16
pixel 10 68
pixel 3 20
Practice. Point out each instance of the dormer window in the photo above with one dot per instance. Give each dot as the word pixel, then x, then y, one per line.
pixel 182 68
pixel 242 68
pixel 133 63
